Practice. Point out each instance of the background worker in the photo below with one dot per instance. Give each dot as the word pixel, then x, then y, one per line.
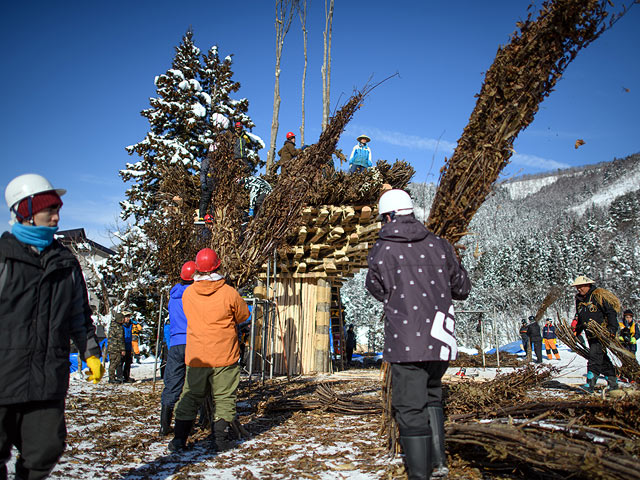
pixel 629 333
pixel 417 275
pixel 350 344
pixel 535 338
pixel 525 338
pixel 549 338
pixel 44 306
pixel 360 158
pixel 213 310
pixel 176 340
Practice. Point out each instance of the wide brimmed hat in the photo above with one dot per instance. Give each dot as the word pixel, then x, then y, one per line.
pixel 582 280
pixel 363 136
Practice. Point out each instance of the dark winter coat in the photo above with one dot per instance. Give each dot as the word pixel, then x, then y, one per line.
pixel 533 332
pixel 523 332
pixel 43 305
pixel 594 306
pixel 176 315
pixel 417 275
pixel 241 144
pixel 549 332
pixel 287 152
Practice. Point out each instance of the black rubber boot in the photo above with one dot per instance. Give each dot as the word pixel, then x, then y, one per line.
pixel 221 435
pixel 438 453
pixel 417 456
pixel 166 414
pixel 591 382
pixel 181 433
pixel 612 380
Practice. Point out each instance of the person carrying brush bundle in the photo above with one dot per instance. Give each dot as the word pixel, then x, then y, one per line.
pixel 601 306
pixel 417 275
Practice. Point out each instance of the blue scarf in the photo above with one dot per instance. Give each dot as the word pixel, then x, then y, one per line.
pixel 39 237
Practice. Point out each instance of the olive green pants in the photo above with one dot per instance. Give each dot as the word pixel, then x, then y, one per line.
pixel 224 385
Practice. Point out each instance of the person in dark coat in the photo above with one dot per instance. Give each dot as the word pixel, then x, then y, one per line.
pixel 417 275
pixel 287 153
pixel 535 337
pixel 523 336
pixel 350 344
pixel 175 369
pixel 629 332
pixel 43 306
pixel 601 306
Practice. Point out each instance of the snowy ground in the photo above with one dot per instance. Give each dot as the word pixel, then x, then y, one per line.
pixel 113 432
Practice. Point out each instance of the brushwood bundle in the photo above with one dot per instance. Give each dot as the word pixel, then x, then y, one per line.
pixel 523 73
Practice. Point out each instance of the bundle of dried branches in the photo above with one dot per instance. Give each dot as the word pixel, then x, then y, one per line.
pixel 567 336
pixel 554 294
pixel 627 365
pixel 505 389
pixel 325 399
pixel 522 75
pixel 549 446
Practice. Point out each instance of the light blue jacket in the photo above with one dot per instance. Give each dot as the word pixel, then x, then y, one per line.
pixel 361 155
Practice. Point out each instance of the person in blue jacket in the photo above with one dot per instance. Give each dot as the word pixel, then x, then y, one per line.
pixel 177 340
pixel 360 158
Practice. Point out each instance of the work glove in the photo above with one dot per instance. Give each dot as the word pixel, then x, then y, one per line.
pixel 97 370
pixel 633 340
pixel 621 339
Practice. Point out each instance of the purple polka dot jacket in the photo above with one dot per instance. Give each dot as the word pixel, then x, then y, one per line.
pixel 417 275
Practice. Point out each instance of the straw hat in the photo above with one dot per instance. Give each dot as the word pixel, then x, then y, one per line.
pixel 363 136
pixel 582 280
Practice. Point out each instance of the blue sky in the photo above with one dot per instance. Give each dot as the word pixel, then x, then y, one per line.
pixel 77 74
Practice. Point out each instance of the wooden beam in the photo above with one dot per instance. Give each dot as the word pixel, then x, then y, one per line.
pixel 336 234
pixel 320 232
pixel 302 234
pixel 365 214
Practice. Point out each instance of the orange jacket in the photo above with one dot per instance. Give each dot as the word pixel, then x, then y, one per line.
pixel 213 309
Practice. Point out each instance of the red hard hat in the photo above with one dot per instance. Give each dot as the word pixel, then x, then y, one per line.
pixel 207 260
pixel 290 135
pixel 188 269
pixel 238 124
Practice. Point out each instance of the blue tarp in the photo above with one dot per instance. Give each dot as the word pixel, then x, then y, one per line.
pixel 513 347
pixel 73 358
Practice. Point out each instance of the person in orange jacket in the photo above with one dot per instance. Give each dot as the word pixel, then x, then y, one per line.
pixel 213 310
pixel 136 328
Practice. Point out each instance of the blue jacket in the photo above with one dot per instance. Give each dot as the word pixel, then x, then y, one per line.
pixel 166 335
pixel 360 155
pixel 127 337
pixel 177 317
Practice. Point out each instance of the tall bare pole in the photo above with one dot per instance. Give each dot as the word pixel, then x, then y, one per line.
pixel 285 10
pixel 303 20
pixel 326 63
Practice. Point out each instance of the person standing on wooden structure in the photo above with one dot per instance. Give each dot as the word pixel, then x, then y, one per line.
pixel 213 310
pixel 287 153
pixel 360 158
pixel 417 275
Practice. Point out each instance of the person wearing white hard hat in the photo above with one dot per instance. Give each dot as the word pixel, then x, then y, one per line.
pixel 417 275
pixel 360 158
pixel 44 305
pixel 601 306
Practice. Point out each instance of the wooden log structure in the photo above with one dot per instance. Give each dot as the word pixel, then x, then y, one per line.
pixel 330 246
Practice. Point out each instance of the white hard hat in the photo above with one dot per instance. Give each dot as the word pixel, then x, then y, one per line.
pixel 25 186
pixel 397 201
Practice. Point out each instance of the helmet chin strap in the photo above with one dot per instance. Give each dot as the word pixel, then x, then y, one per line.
pixel 30 206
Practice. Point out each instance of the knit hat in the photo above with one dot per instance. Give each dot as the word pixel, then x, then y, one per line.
pixel 39 202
